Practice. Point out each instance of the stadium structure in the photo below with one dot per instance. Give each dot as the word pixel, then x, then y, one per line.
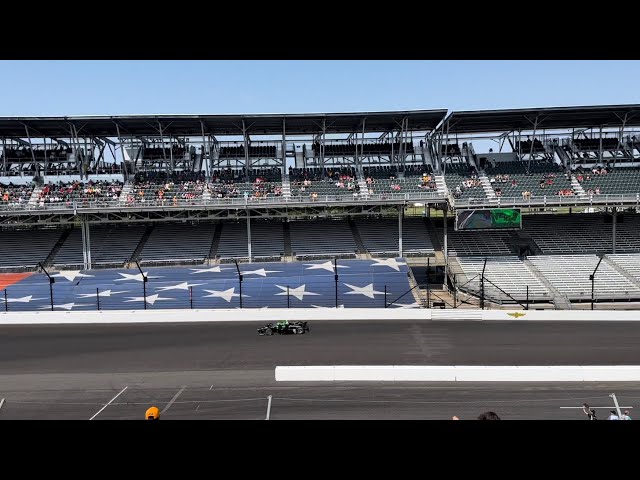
pixel 372 209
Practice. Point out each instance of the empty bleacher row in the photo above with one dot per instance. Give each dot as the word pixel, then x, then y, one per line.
pixel 594 143
pixel 583 233
pixel 381 236
pixel 266 151
pixel 569 274
pixel 507 277
pixel 23 249
pixel 368 148
pixel 111 245
pixel 506 273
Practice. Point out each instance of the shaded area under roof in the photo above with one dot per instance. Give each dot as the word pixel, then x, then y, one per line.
pixel 192 125
pixel 547 118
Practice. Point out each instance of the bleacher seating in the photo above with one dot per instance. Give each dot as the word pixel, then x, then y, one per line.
pixel 594 144
pixel 15 195
pixel 178 242
pixel 462 180
pixel 413 179
pixel 629 262
pixel 110 245
pixel 78 192
pixel 508 273
pixel 469 243
pixel 380 236
pixel 582 233
pixel 25 248
pixel 322 238
pixel 233 241
pixel 539 178
pixel 267 239
pixel 314 182
pixel 525 146
pixel 348 149
pixel 569 274
pixel 619 180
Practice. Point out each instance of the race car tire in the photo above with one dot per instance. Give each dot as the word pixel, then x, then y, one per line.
pixel 268 331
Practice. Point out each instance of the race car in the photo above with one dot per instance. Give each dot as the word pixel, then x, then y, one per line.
pixel 284 327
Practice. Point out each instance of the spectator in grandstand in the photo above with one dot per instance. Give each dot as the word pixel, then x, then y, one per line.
pixel 488 416
pixel 613 416
pixel 625 415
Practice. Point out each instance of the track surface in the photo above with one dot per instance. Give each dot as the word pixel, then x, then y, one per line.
pixel 226 371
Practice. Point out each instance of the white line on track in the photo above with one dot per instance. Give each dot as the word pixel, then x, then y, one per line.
pixel 173 399
pixel 120 393
pixel 608 406
pixel 1 403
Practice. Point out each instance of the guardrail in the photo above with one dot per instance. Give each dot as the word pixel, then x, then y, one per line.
pixel 241 202
pixel 549 201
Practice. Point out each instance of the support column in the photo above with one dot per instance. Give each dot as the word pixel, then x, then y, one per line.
pixel 87 237
pixel 249 236
pixel 600 147
pixel 613 230
pixel 4 155
pixel 84 243
pixel 246 146
pixel 400 215
pixel 446 249
pixel 284 150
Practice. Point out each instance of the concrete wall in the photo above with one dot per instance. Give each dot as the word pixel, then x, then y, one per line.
pixel 308 314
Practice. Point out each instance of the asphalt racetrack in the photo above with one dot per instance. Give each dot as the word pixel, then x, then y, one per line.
pixel 226 371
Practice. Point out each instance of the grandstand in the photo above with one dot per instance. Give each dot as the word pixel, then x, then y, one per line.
pixel 372 186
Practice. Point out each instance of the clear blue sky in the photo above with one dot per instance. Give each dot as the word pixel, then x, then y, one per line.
pixel 147 87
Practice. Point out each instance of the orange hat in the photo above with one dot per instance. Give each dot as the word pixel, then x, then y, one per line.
pixel 152 413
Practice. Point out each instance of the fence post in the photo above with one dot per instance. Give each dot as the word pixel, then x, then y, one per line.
pixel 6 303
pixel 385 296
pixel 288 304
pixel 98 297
pixel 51 292
pixel 527 308
pixel 191 297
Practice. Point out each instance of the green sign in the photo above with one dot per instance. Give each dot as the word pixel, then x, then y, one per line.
pixel 489 219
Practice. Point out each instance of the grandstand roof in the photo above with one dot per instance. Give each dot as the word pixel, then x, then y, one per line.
pixel 190 125
pixel 547 118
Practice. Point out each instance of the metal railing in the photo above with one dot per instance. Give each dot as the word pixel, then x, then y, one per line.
pixel 221 202
pixel 550 200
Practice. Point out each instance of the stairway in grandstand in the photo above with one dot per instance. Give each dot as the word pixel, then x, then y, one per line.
pixel 215 242
pixel 56 248
pixel 35 196
pixel 577 187
pixel 136 253
pixel 625 267
pixel 362 183
pixel 486 186
pixel 286 186
pixel 126 191
pixel 559 300
pixel 441 186
pixel 356 236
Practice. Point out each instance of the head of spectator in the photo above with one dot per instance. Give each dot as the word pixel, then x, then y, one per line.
pixel 488 416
